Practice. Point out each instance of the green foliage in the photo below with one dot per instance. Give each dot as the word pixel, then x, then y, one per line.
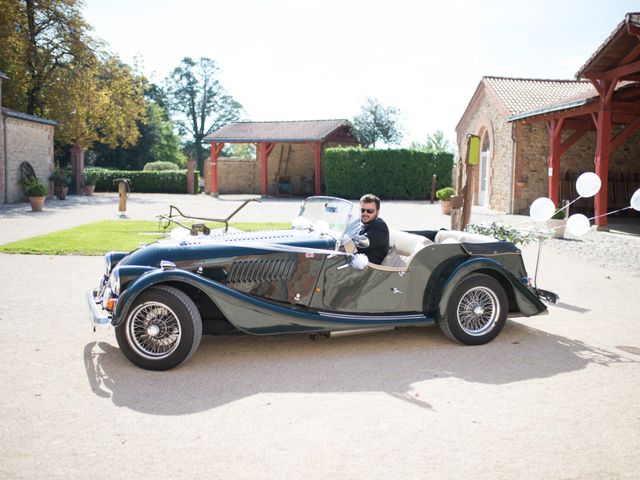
pixel 91 175
pixel 560 214
pixel 436 142
pixel 445 193
pixel 198 100
pixel 507 232
pixel 160 166
pixel 172 181
pixel 34 188
pixel 390 174
pixel 61 177
pixel 377 123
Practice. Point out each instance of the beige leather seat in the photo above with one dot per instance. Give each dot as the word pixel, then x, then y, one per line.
pixel 403 248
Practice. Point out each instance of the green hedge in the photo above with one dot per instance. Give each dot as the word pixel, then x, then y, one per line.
pixel 160 166
pixel 391 174
pixel 172 181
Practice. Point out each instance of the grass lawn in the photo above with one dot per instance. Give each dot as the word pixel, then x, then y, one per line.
pixel 101 237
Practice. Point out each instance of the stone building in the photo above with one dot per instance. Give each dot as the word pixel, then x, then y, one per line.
pixel 289 156
pixel 527 125
pixel 23 138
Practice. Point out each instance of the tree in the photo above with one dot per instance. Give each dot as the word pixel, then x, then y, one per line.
pixel 377 123
pixel 199 102
pixel 39 38
pixel 436 143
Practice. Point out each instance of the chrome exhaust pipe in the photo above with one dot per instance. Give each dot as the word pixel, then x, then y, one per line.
pixel 344 333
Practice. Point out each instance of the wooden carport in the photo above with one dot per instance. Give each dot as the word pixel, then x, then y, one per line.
pixel 614 71
pixel 315 134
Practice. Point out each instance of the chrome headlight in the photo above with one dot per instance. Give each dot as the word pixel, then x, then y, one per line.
pixel 114 281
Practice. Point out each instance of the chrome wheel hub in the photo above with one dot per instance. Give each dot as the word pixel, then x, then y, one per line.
pixel 478 311
pixel 153 330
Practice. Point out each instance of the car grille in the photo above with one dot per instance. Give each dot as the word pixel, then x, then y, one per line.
pixel 263 270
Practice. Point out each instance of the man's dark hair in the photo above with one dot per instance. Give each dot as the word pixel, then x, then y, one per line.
pixel 370 197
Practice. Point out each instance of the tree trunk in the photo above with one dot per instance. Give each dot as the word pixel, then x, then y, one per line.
pixel 77 167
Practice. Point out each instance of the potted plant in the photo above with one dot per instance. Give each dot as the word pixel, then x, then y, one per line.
pixel 444 195
pixel 89 179
pixel 61 178
pixel 37 193
pixel 558 222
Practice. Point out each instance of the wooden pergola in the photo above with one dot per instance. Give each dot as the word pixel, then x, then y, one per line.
pixel 315 134
pixel 614 71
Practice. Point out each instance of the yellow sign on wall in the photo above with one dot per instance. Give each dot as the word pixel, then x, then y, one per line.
pixel 473 150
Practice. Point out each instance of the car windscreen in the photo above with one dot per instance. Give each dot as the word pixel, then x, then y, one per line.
pixel 325 214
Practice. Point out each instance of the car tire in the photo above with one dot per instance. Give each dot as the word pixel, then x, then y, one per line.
pixel 162 329
pixel 476 310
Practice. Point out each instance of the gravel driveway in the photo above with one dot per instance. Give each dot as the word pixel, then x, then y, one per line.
pixel 555 396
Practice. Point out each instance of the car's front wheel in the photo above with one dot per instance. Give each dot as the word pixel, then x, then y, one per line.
pixel 476 310
pixel 162 329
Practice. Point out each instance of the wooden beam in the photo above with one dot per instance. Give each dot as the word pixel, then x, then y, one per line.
pixel 216 148
pixel 633 54
pixel 624 134
pixel 577 135
pixel 569 113
pixel 555 152
pixel 615 73
pixel 603 152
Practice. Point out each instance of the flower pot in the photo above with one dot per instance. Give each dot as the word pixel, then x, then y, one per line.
pixel 558 226
pixel 37 203
pixel 89 189
pixel 61 192
pixel 445 205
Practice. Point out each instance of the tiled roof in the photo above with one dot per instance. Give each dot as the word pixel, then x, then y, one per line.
pixel 295 131
pixel 614 48
pixel 520 95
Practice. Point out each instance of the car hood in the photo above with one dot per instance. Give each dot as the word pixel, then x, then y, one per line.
pixel 194 247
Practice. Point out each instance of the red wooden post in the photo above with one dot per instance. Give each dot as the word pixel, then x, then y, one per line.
pixel 317 156
pixel 265 149
pixel 603 151
pixel 555 150
pixel 216 148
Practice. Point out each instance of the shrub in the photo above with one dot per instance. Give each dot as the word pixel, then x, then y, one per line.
pixel 171 181
pixel 34 188
pixel 160 166
pixel 91 175
pixel 391 174
pixel 445 193
pixel 508 232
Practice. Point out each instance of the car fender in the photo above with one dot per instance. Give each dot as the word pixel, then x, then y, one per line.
pixel 266 317
pixel 527 302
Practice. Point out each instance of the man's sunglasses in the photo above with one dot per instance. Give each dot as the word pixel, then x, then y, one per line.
pixel 368 210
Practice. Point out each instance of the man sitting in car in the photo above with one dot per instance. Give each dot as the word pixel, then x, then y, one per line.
pixel 373 236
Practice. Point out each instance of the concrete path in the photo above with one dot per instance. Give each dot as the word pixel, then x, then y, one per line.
pixel 553 397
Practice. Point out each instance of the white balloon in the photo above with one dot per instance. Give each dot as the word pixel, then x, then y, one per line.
pixel 635 200
pixel 179 234
pixel 542 209
pixel 588 184
pixel 578 224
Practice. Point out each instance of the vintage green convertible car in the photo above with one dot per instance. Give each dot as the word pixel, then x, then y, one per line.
pixel 162 297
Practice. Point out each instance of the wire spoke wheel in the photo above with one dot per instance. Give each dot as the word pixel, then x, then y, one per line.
pixel 478 311
pixel 162 329
pixel 154 330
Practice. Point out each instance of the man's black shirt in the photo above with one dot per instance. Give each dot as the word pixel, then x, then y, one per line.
pixel 378 234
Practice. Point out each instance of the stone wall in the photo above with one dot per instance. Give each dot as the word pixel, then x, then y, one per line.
pixel 532 154
pixel 27 141
pixel 294 160
pixel 485 116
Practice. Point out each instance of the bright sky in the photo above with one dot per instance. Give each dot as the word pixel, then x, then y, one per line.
pixel 307 60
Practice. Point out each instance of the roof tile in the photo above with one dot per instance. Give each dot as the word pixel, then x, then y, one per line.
pixel 293 131
pixel 525 94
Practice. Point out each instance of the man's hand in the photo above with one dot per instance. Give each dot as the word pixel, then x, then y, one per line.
pixel 361 241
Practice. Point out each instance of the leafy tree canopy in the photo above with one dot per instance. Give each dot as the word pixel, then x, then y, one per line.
pixel 436 143
pixel 199 103
pixel 377 123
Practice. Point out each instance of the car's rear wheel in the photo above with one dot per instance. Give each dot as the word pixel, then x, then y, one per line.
pixel 476 310
pixel 162 329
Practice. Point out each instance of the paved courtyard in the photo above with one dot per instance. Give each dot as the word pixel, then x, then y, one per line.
pixel 552 397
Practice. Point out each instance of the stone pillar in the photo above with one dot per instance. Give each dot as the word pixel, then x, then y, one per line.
pixel 190 176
